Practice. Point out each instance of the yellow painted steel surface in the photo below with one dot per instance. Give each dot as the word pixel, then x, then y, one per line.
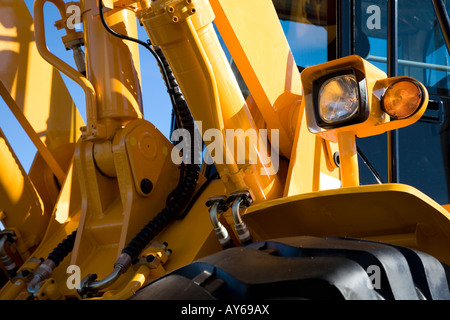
pixel 28 79
pixel 253 35
pixel 100 193
pixel 92 130
pixel 348 159
pixel 63 221
pixel 42 149
pixel 20 205
pixel 184 32
pixel 275 87
pixel 112 65
pixel 113 211
pixel 393 213
pixel 311 166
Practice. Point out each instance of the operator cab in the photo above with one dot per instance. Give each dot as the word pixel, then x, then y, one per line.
pixel 321 31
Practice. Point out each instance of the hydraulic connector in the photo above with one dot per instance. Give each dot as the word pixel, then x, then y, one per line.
pixel 240 200
pixel 41 274
pixel 8 263
pixel 78 54
pixel 90 284
pixel 155 255
pixel 47 266
pixel 218 205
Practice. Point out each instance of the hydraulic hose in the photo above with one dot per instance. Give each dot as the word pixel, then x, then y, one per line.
pixel 53 260
pixel 178 199
pixel 63 249
pixel 90 284
pixel 218 207
pixel 239 225
pixel 176 202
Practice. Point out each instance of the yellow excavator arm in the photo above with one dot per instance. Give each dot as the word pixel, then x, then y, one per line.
pixel 261 171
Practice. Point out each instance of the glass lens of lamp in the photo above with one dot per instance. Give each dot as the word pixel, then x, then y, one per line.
pixel 338 99
pixel 402 99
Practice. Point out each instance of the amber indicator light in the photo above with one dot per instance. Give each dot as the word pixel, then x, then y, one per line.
pixel 402 99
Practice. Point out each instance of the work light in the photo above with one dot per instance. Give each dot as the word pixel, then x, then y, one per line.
pixel 348 98
pixel 352 95
pixel 340 99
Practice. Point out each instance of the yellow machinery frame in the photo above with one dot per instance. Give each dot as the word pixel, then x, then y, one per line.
pixel 101 168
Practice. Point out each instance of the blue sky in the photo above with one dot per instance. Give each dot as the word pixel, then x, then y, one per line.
pixel 157 107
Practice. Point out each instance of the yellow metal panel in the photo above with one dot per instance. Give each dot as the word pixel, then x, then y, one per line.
pixel 63 221
pixel 114 209
pixel 301 174
pixel 42 149
pixel 40 93
pixel 21 205
pixel 348 159
pixel 198 239
pixel 253 35
pixel 184 32
pixel 30 79
pixel 112 65
pixel 310 166
pixel 393 213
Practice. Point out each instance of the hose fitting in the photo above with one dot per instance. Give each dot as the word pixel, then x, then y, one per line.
pixel 89 283
pixel 46 268
pixel 240 200
pixel 218 205
pixel 42 273
pixel 7 261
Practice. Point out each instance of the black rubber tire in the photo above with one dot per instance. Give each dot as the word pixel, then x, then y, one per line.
pixel 306 268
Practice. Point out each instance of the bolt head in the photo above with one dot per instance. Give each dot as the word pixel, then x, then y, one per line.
pixel 146 186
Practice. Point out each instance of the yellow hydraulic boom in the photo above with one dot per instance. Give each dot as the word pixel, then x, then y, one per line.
pixel 111 206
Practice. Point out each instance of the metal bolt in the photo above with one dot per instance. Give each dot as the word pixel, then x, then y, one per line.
pixel 146 186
